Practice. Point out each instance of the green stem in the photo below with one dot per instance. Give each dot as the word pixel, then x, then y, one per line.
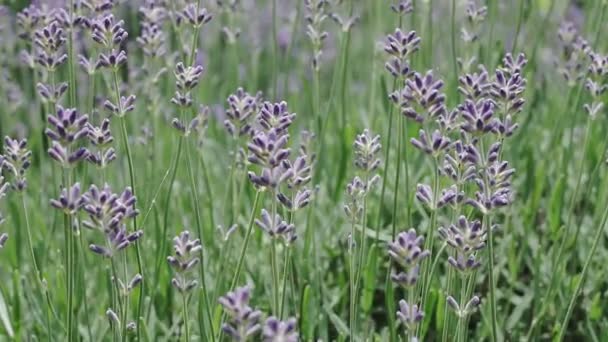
pixel 492 285
pixel 581 280
pixel 275 50
pixel 241 259
pixel 186 319
pixel 351 249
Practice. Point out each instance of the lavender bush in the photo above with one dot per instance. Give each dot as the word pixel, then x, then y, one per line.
pixel 442 180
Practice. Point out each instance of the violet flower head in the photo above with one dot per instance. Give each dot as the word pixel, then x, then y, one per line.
pixel 184 261
pixel 507 90
pixel 346 24
pixel 275 116
pixel 108 32
pixel 425 195
pixel 475 16
pixel 356 191
pixel 434 145
pixel 409 315
pixel 498 192
pixel 514 65
pixel 457 164
pixel 126 105
pixel 315 16
pixel 280 331
pixel 117 240
pixel 465 310
pixel 276 227
pixel 51 93
pixel 400 46
pixel 474 85
pixel 464 263
pixel 106 209
pixel 366 148
pixel 193 16
pixel 27 21
pixel 241 107
pixel 152 40
pixel 406 250
pixel 101 137
pixel 66 158
pixel 596 83
pixel 70 200
pixel 421 98
pixel 50 41
pixel 244 320
pixel 187 78
pixel 268 149
pixel 465 236
pixel 16 160
pixel 478 116
pixel 403 7
pixel 67 126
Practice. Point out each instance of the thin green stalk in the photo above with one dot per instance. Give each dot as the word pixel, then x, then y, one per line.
pixel 520 18
pixel 596 239
pixel 446 321
pixel 460 330
pixel 492 284
pixel 162 248
pixel 239 266
pixel 453 40
pixel 118 294
pixel 397 174
pixel 429 240
pixel 125 141
pixel 72 86
pixel 351 283
pixel 275 277
pixel 186 319
pixel 275 50
pixel 199 225
pixel 39 280
pixel 285 276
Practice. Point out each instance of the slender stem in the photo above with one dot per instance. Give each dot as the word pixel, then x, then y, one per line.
pixel 166 216
pixel 275 277
pixel 581 280
pixel 186 319
pixel 199 225
pixel 461 320
pixel 39 280
pixel 275 50
pixel 125 141
pixel 520 18
pixel 446 321
pixel 397 174
pixel 453 40
pixel 351 249
pixel 492 285
pixel 239 265
pixel 430 237
pixel 285 276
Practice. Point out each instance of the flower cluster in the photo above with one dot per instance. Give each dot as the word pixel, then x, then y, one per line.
pixel 596 83
pixel 315 16
pixel 101 138
pixel 67 128
pixel 276 228
pixel 400 46
pixel 574 48
pixel 241 108
pixel 269 146
pixel 184 261
pixel 280 331
pixel 244 320
pixel 16 160
pixel 407 252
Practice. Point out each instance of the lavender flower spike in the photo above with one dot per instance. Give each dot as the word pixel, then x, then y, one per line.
pixel 278 331
pixel 244 320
